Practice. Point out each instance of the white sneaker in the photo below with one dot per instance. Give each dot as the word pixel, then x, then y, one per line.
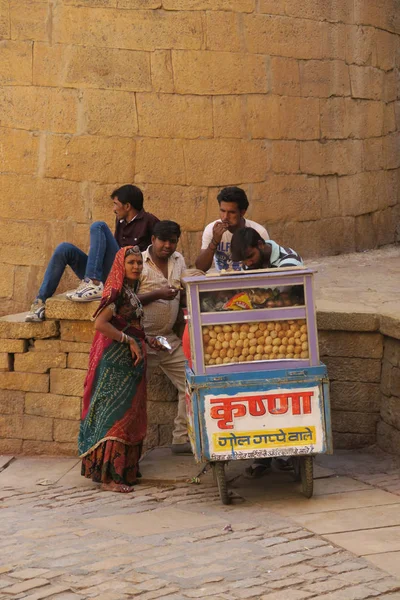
pixel 36 313
pixel 87 291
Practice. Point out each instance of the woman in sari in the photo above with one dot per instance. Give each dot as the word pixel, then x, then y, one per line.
pixel 114 418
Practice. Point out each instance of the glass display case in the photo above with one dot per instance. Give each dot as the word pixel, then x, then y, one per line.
pixel 252 320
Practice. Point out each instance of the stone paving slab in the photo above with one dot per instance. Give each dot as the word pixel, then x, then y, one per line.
pixel 370 541
pixel 351 520
pixel 389 561
pixel 27 473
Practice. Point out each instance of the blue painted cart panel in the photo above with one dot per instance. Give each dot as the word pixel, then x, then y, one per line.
pixel 259 414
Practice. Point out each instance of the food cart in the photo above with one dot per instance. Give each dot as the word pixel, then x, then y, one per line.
pixel 256 387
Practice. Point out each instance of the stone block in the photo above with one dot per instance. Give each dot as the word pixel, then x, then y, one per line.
pixel 390 411
pixel 389 118
pixel 147 30
pixel 4 19
pixel 77 331
pixel 382 14
pixel 229 116
pixel 15 63
pixel 286 197
pixel 173 116
pixel 135 4
pixel 10 446
pixel 330 200
pixel 395 382
pixel 285 76
pixel 11 402
pixel 294 37
pixel 30 191
pixel 67 382
pixel 392 351
pixel 373 155
pixel 11 426
pixel 276 117
pixel 223 31
pixel 340 11
pixel 178 203
pixel 386 377
pixel 324 78
pixel 37 428
pixel 90 67
pixel 78 360
pixel 350 441
pixel 19 150
pixel 90 158
pixel 160 161
pixel 26 382
pixel 13 327
pixel 318 238
pixel 59 307
pixel 386 49
pixel 391 151
pixel 285 156
pixel 217 162
pixel 377 228
pixel 65 430
pixel 354 422
pixel 108 113
pixel 341 157
pixel 355 396
pixel 53 405
pixel 347 117
pixel 152 439
pixel 388 438
pixel 22 242
pixel 272 7
pixel 39 108
pixel 340 343
pixel 60 346
pixel 162 76
pixel 39 362
pixel 390 326
pixel 165 432
pixel 361 47
pixel 29 20
pixel 369 191
pixel 5 361
pixel 160 389
pixel 6 281
pixel 37 448
pixel 228 5
pixel 353 369
pixel 190 243
pixel 366 82
pixel 216 73
pixel 161 412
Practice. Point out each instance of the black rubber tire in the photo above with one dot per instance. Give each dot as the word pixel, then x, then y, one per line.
pixel 296 468
pixel 219 472
pixel 307 475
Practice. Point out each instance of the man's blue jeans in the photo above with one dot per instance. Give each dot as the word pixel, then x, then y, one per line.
pixel 96 265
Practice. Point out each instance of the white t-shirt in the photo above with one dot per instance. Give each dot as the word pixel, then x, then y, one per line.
pixel 222 256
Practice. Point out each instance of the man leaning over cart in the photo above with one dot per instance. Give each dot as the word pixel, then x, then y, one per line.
pixel 217 236
pixel 248 247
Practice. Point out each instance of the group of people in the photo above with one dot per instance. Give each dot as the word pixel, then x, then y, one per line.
pixel 136 274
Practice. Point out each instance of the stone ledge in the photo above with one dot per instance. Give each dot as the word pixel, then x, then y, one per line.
pixel 60 308
pixel 14 327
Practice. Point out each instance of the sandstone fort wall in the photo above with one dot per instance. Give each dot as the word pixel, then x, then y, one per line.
pixel 295 101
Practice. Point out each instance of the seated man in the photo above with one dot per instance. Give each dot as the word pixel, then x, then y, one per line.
pixel 255 253
pixel 160 295
pixel 133 227
pixel 217 236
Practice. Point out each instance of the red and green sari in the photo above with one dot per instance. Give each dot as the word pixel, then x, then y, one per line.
pixel 114 418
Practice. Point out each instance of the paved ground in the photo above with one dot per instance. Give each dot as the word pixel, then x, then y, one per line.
pixel 64 539
pixel 359 282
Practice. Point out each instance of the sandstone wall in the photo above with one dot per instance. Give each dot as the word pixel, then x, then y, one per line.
pixel 43 366
pixel 295 101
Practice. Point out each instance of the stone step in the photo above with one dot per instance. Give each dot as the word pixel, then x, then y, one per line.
pixel 60 308
pixel 14 327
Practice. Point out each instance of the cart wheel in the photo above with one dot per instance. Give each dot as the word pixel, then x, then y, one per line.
pixel 307 475
pixel 296 468
pixel 219 472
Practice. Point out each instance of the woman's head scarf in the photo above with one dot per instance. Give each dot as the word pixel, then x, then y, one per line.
pixel 115 280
